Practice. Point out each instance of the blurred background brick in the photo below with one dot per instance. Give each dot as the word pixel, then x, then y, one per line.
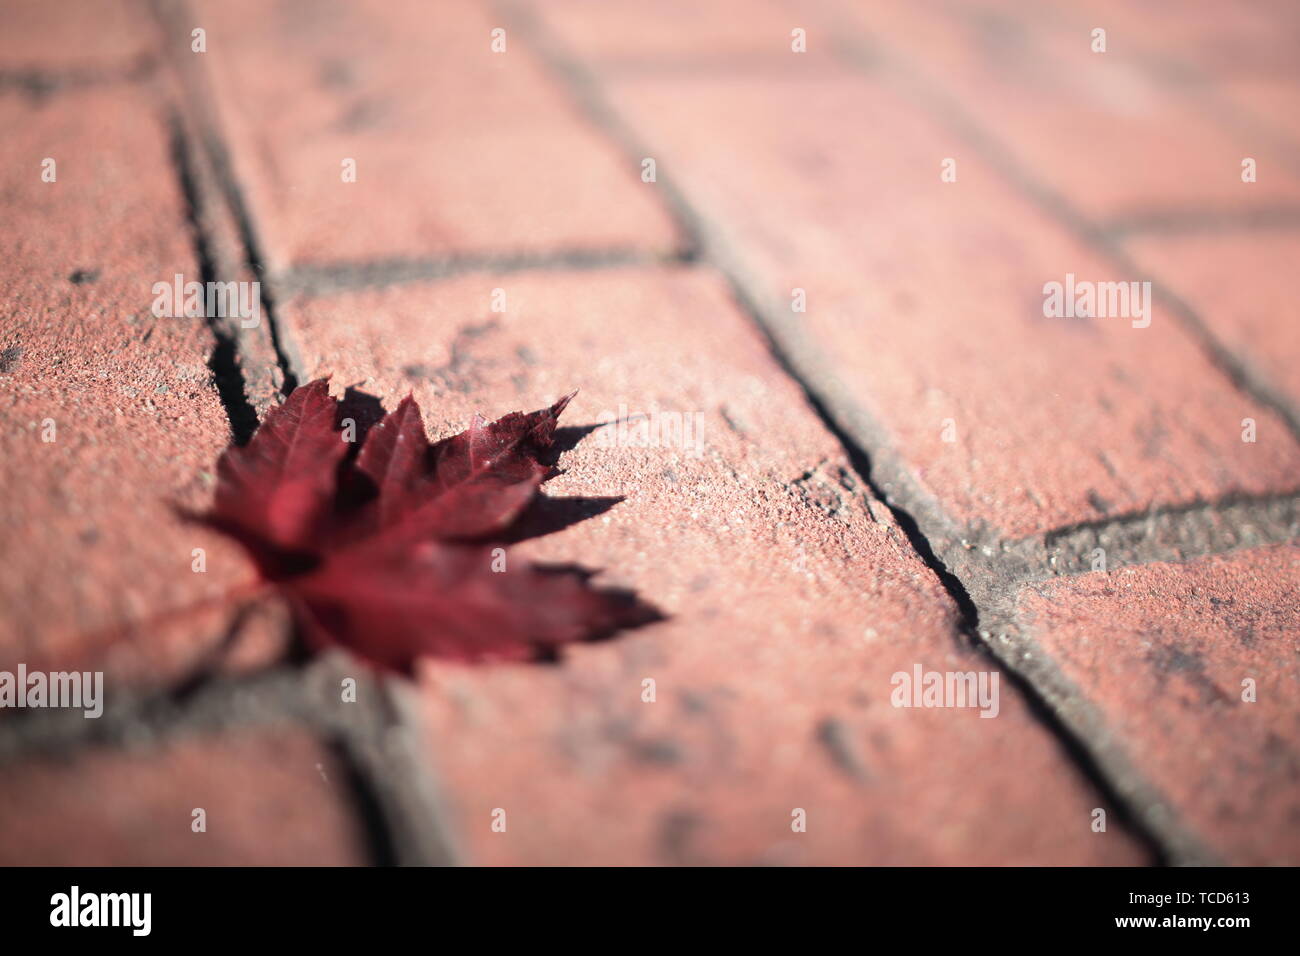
pixel 271 797
pixel 925 300
pixel 45 45
pixel 458 150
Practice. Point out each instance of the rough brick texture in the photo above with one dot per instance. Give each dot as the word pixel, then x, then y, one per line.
pixel 126 397
pixel 1164 650
pixel 792 596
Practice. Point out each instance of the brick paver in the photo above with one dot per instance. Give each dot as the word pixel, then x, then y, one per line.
pixel 1260 101
pixel 1114 133
pixel 124 397
pixel 925 299
pixel 1226 41
pixel 46 45
pixel 458 150
pixel 678 35
pixel 1166 652
pixel 876 453
pixel 793 599
pixel 1238 284
pixel 271 797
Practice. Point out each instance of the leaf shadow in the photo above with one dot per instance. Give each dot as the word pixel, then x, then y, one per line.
pixel 567 438
pixel 547 515
pixel 364 409
pixel 625 610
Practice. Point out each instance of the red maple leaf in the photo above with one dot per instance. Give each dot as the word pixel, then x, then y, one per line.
pixel 385 552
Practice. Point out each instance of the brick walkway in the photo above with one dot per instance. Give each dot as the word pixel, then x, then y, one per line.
pixel 917 469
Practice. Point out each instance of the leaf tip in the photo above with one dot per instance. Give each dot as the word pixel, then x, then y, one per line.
pixel 563 403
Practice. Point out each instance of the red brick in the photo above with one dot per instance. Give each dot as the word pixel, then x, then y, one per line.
pixel 272 798
pixel 89 519
pixel 1107 131
pixel 1163 650
pixel 925 301
pixel 77 36
pixel 1218 39
pixel 459 150
pixel 1240 285
pixel 1268 103
pixel 679 34
pixel 792 599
